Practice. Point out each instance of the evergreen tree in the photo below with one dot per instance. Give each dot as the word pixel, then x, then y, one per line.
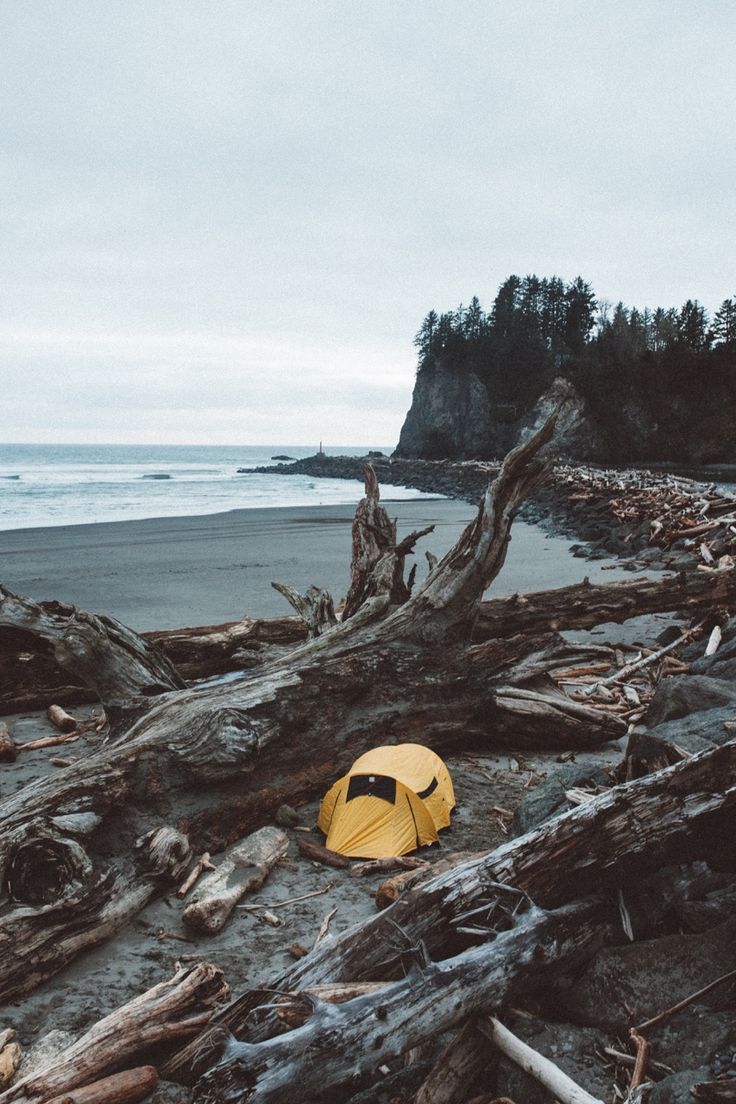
pixel 579 314
pixel 505 307
pixel 473 320
pixel 424 339
pixel 692 325
pixel 664 329
pixel 724 323
pixel 553 313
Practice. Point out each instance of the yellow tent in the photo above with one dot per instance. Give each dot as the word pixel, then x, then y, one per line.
pixel 392 800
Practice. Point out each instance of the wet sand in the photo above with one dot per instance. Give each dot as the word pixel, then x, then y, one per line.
pixel 167 572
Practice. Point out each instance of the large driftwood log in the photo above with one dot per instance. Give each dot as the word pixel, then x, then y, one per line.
pixel 341 1042
pixel 62 899
pixel 170 1012
pixel 676 814
pixel 33 681
pixel 585 605
pixel 242 869
pixel 110 658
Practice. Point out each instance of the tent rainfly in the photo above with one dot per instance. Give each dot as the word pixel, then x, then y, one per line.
pixel 392 800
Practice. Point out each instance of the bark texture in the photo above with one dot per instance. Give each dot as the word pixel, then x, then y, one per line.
pixel 115 662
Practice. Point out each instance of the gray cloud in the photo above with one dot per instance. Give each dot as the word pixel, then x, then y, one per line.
pixel 241 212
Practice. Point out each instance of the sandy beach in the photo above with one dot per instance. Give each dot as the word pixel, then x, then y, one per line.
pixel 166 572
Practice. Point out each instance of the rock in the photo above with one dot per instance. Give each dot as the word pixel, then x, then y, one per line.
pixel 651 975
pixel 680 696
pixel 715 908
pixel 286 817
pixel 570 1047
pixel 722 665
pixel 669 635
pixel 548 798
pixel 697 731
pixel 283 456
pixel 450 417
pixel 676 1088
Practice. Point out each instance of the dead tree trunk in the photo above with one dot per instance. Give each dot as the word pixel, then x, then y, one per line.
pixel 197 653
pixel 584 605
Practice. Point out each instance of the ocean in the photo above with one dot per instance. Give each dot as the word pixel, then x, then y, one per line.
pixel 43 485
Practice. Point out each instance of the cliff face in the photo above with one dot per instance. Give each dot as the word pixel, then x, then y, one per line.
pixel 451 417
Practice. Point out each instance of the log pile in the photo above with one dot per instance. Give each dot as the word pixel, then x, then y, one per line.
pixel 195 770
pixel 673 508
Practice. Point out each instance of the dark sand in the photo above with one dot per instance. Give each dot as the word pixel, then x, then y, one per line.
pixel 166 572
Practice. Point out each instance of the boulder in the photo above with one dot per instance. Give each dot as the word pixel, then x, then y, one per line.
pixel 676 1089
pixel 698 731
pixel 651 975
pixel 713 909
pixel 548 798
pixel 680 696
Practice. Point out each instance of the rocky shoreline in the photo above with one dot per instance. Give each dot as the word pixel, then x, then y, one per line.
pixel 640 514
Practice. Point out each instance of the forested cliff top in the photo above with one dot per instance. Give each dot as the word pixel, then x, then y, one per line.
pixel 637 384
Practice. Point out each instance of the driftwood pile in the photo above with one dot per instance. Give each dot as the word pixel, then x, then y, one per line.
pixel 675 508
pixel 186 773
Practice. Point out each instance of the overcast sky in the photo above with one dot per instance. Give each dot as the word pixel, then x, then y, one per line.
pixel 222 222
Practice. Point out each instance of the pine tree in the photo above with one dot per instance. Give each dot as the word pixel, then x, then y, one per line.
pixel 425 337
pixel 692 325
pixel 724 323
pixel 579 314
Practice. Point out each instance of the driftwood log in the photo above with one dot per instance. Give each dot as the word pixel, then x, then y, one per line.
pixel 126 1087
pixel 340 1042
pixel 112 660
pixel 170 1012
pixel 33 680
pixel 242 869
